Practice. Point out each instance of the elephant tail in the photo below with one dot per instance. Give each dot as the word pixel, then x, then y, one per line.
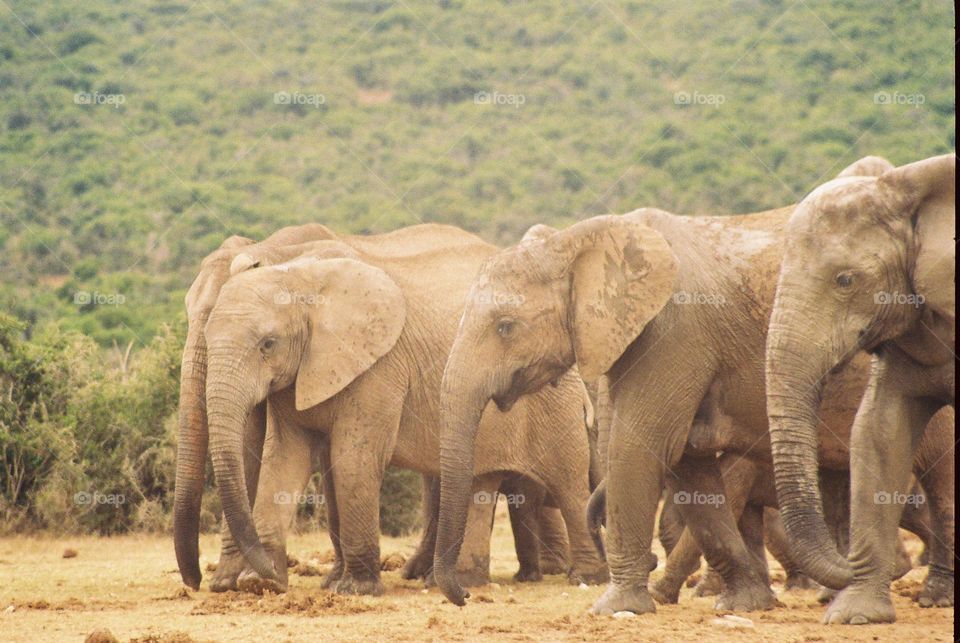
pixel 596 513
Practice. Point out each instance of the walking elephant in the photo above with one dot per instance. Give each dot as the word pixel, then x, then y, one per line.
pixel 239 254
pixel 667 307
pixel 347 341
pixel 868 266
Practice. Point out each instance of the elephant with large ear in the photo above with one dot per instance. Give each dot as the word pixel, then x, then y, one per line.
pixel 578 296
pixel 599 282
pixel 869 266
pixel 348 347
pixel 192 438
pixel 238 254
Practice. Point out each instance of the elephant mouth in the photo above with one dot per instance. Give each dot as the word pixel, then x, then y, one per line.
pixel 529 380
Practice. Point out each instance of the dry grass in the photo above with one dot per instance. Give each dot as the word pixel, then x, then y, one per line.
pixel 130 587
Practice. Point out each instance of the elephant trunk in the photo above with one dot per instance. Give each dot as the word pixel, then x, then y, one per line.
pixel 462 406
pixel 230 399
pixel 191 456
pixel 794 385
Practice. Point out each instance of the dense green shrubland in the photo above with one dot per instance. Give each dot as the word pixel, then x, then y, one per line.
pixel 135 136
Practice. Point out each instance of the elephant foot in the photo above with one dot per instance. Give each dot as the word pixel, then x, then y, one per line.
pixel 334 575
pixel 711 584
pixel 551 565
pixel 350 585
pixel 228 571
pixel 618 598
pixel 799 581
pixel 937 590
pixel 861 603
pixel 473 577
pixel 666 591
pixel 593 575
pixel 825 595
pixel 418 566
pixel 528 576
pixel 746 598
pixel 252 583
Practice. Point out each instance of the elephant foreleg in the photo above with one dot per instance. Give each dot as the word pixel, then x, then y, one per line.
pixel 886 432
pixel 287 463
pixel 473 565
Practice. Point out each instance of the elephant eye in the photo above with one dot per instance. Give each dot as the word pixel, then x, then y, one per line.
pixel 267 345
pixel 845 279
pixel 505 327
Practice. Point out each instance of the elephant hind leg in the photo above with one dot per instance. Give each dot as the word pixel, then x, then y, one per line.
pixel 554 545
pixel 710 512
pixel 524 498
pixel 420 565
pixel 935 458
pixel 777 543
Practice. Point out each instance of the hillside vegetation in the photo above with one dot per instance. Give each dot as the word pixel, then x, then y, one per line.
pixel 135 136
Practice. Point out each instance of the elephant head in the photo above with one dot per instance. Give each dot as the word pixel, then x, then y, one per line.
pixel 865 257
pixel 314 323
pixel 192 438
pixel 577 296
pixel 234 254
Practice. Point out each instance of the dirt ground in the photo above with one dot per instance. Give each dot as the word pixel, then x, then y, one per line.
pixel 130 586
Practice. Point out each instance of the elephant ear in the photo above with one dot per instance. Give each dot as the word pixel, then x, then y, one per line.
pixel 538 231
pixel 356 313
pixel 622 274
pixel 867 166
pixel 243 262
pixel 929 189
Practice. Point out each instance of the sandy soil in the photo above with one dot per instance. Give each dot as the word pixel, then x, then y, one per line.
pixel 130 586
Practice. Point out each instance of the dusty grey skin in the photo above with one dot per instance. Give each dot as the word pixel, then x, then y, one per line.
pixel 666 306
pixel 868 266
pixel 358 363
pixel 283 245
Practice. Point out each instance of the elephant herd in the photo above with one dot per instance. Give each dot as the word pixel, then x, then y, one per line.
pixel 800 358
